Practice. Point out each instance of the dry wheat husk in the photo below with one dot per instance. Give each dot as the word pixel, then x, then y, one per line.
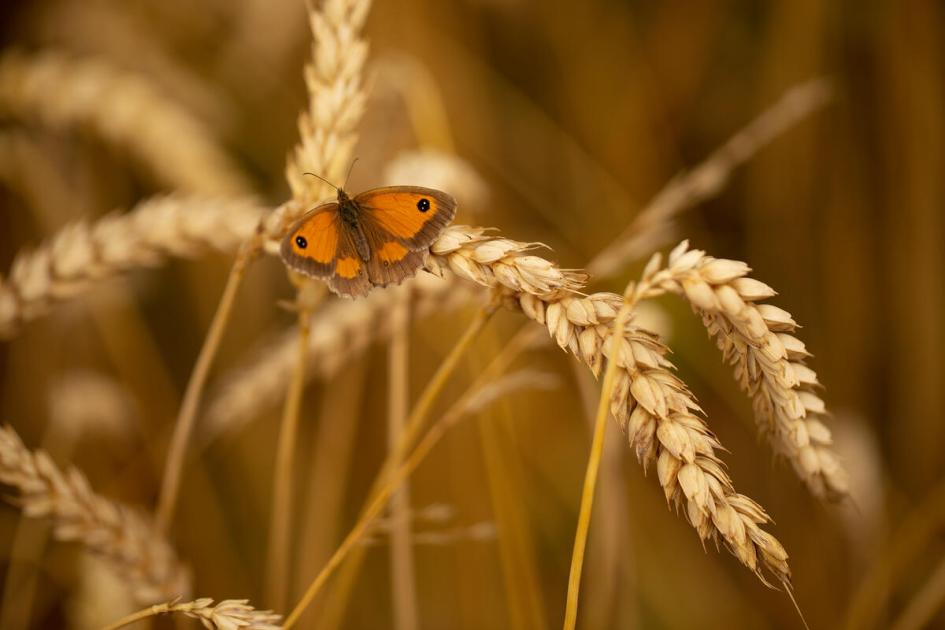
pixel 229 614
pixel 57 90
pixel 659 414
pixel 769 361
pixel 85 252
pixel 121 535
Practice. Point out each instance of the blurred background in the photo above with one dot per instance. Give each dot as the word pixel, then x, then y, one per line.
pixel 564 119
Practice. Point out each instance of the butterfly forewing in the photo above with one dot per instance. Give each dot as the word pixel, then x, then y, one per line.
pixel 413 215
pixel 311 245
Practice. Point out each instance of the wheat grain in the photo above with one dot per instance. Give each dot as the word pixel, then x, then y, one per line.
pixel 83 253
pixel 655 408
pixel 119 534
pixel 229 614
pixel 126 109
pixel 327 129
pixel 768 360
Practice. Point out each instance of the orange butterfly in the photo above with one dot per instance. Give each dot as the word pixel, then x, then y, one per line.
pixel 373 239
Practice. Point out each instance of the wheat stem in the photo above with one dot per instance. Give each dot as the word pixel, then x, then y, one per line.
pixel 403 587
pixel 334 610
pixel 925 603
pixel 505 485
pixel 593 466
pixel 280 524
pixel 187 416
pixel 913 534
pixel 414 425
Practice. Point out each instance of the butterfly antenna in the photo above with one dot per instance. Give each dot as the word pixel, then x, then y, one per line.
pixel 350 168
pixel 321 178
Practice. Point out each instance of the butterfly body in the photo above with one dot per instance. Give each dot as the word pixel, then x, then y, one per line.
pixel 350 214
pixel 376 238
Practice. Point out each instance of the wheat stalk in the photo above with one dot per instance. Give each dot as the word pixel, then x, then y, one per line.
pixel 126 109
pixel 593 463
pixel 328 129
pixel 84 252
pixel 279 565
pixel 654 407
pixel 229 614
pixel 402 563
pixel 391 475
pixel 120 534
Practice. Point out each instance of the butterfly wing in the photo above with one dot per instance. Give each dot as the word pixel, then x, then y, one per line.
pixel 350 278
pixel 310 246
pixel 321 246
pixel 410 215
pixel 400 223
pixel 391 262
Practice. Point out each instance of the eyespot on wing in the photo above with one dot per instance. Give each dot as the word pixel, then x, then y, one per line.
pixel 311 245
pixel 413 214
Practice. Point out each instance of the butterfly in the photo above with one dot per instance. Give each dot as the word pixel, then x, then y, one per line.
pixel 374 239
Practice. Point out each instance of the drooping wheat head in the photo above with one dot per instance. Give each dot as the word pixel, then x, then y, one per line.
pixel 122 535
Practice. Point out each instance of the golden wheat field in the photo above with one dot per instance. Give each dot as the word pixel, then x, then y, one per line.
pixel 676 362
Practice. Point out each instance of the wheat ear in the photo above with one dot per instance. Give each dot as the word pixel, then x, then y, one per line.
pixel 769 361
pixel 83 253
pixel 655 408
pixel 328 128
pixel 229 614
pixel 120 534
pixel 124 108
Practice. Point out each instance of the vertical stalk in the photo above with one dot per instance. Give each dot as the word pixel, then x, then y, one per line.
pixel 187 416
pixel 280 523
pixel 403 577
pixel 593 463
pixel 389 476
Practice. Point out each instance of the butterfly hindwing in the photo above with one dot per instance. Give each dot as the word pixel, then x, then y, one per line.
pixel 412 215
pixel 311 244
pixel 350 278
pixel 392 263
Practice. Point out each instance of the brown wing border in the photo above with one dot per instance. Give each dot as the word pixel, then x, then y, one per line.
pixel 304 264
pixel 446 211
